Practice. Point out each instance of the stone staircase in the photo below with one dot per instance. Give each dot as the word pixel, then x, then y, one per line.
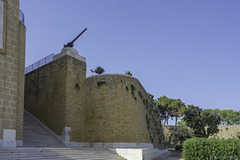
pixel 34 135
pixel 57 154
pixel 39 143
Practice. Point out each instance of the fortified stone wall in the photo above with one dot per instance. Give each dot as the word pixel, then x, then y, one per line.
pixel 99 109
pixel 55 94
pixel 118 110
pixel 75 98
pixel 12 59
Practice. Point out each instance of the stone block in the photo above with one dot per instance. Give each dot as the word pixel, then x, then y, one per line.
pixel 65 135
pixel 9 138
pixel 9 135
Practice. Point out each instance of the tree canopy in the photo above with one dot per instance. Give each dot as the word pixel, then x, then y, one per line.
pixel 169 108
pixel 230 117
pixel 203 122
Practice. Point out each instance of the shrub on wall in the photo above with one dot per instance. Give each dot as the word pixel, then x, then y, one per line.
pixel 211 148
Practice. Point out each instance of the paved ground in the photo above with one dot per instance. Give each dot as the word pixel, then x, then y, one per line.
pixel 167 155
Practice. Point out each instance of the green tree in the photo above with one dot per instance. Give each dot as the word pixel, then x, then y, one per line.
pixel 211 119
pixel 182 122
pixel 236 118
pixel 98 70
pixel 128 73
pixel 170 108
pixel 230 117
pixel 203 122
pixel 178 109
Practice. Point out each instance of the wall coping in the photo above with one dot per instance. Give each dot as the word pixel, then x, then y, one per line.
pixel 69 52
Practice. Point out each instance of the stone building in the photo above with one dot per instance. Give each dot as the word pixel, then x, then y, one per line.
pixel 12 63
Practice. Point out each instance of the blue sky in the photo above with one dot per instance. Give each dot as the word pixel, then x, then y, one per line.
pixel 182 49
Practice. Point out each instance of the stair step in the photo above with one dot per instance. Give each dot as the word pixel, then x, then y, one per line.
pixel 58 153
pixel 34 135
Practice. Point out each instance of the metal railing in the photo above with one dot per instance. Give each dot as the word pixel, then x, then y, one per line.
pixel 21 16
pixel 39 63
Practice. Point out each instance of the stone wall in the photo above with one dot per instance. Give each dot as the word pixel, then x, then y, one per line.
pixel 55 94
pixel 228 131
pixel 173 134
pixel 12 70
pixel 116 111
pixel 45 94
pixel 99 109
pixel 75 98
pixel 21 78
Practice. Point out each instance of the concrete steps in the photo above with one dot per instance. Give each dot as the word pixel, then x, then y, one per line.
pixel 39 143
pixel 57 154
pixel 34 135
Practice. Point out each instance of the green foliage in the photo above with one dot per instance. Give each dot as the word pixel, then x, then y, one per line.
pixel 100 83
pixel 98 70
pixel 178 148
pixel 199 119
pixel 182 122
pixel 170 108
pixel 211 119
pixel 211 148
pixel 128 73
pixel 185 134
pixel 153 124
pixel 230 117
pixel 238 135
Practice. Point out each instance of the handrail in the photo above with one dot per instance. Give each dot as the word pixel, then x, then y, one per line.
pixel 39 63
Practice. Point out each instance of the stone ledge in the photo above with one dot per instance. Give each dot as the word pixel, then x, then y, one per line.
pixel 123 145
pixel 136 153
pixel 112 145
pixel 70 52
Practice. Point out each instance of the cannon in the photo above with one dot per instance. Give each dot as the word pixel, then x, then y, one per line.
pixel 70 44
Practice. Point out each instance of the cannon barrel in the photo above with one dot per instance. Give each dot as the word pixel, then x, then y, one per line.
pixel 70 44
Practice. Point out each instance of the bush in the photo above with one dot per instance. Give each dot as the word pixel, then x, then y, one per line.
pixel 178 148
pixel 211 148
